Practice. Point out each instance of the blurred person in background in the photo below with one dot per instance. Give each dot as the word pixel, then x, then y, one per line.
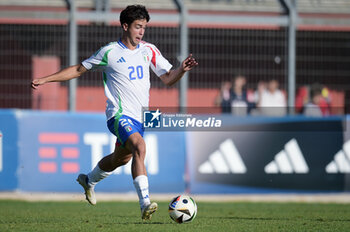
pixel 232 97
pixel 312 108
pixel 271 100
pixel 223 100
pixel 126 66
pixel 325 102
pixel 239 101
pixel 259 89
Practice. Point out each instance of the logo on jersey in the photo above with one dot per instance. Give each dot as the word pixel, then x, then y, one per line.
pixel 121 60
pixel 145 57
pixel 126 124
pixel 151 118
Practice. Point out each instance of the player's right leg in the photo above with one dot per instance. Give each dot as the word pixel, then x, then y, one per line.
pixel 119 157
pixel 104 168
pixel 106 165
pixel 83 180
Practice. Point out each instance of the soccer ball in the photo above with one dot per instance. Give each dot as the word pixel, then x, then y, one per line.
pixel 182 209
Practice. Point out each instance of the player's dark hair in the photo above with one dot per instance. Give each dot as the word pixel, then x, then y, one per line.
pixel 132 13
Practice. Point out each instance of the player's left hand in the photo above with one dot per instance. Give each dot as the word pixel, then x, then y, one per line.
pixel 189 63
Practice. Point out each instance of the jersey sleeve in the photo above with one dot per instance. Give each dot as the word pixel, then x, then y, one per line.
pixel 97 61
pixel 159 64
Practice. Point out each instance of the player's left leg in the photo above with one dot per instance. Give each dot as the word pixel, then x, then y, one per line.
pixel 137 145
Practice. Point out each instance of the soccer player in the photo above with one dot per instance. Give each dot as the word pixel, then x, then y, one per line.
pixel 126 76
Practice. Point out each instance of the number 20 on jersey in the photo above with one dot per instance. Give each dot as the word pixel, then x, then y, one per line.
pixel 135 72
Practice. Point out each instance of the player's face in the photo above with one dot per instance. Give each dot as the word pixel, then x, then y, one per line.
pixel 136 31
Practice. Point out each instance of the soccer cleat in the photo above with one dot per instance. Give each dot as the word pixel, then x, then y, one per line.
pixel 89 191
pixel 149 210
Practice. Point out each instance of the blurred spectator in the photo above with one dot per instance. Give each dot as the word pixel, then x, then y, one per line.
pixel 261 87
pixel 271 100
pixel 224 98
pixel 325 101
pixel 312 108
pixel 301 99
pixel 233 97
pixel 239 102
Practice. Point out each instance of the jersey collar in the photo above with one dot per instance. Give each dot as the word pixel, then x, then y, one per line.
pixel 124 46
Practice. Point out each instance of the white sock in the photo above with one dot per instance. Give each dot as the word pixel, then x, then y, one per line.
pixel 96 175
pixel 141 186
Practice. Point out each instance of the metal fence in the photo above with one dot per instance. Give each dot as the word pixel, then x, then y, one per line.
pixel 258 52
pixel 19 43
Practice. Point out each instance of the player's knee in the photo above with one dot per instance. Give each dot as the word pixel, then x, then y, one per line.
pixel 137 145
pixel 120 158
pixel 140 149
pixel 140 152
pixel 125 160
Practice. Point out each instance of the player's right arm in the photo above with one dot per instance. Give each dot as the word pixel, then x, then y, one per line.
pixel 63 75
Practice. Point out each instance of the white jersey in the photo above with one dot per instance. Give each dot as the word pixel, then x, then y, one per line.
pixel 126 76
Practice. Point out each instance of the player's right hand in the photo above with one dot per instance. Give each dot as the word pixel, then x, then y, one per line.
pixel 36 83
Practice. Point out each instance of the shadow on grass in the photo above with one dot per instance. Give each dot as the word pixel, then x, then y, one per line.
pixel 143 223
pixel 282 219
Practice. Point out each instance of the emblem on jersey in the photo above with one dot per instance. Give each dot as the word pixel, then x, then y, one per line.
pixel 126 124
pixel 145 57
pixel 151 118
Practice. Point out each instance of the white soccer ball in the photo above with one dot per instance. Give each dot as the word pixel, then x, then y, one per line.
pixel 182 209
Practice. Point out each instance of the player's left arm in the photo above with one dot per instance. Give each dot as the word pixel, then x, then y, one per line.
pixel 174 75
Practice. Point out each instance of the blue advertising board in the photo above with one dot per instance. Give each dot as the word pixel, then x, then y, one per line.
pixel 8 150
pixel 45 152
pixel 53 148
pixel 292 154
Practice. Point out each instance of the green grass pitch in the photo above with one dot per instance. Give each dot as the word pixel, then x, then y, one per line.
pixel 125 216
